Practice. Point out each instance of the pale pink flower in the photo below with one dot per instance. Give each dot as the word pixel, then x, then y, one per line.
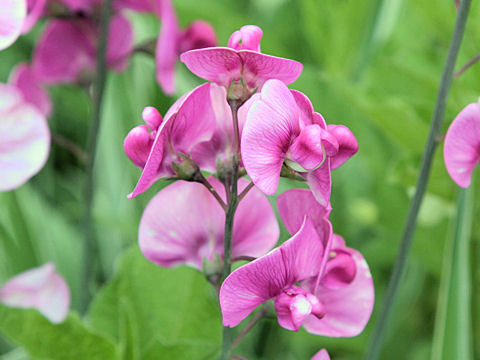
pixel 24 138
pixel 12 17
pixel 184 224
pixel 462 145
pixel 321 355
pixel 283 129
pixel 40 288
pixel 241 60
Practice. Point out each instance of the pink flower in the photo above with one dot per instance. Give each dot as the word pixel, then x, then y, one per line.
pixel 12 16
pixel 183 224
pixel 189 122
pixel 282 128
pixel 40 288
pixel 321 355
pixel 462 145
pixel 241 60
pixel 24 138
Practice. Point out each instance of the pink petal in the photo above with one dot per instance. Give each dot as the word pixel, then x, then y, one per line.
pixel 35 9
pixel 347 309
pixel 462 145
pixel 40 288
pixel 247 38
pixel 152 117
pixel 217 64
pixel 339 271
pixel 347 145
pixel 321 355
pixel 258 68
pixel 167 48
pixel 198 35
pixel 305 106
pixel 12 15
pixel 266 277
pixel 24 79
pixel 293 205
pixel 24 139
pixel 120 42
pixel 272 123
pixel 136 5
pixel 306 149
pixel 292 310
pixel 64 52
pixel 137 145
pixel 320 182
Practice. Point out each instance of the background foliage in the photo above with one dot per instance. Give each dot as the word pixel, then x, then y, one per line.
pixel 372 65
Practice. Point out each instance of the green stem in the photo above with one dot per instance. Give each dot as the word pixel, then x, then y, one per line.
pixel 98 91
pixel 378 337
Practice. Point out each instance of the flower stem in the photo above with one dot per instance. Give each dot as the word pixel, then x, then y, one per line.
pixel 260 314
pixel 98 90
pixel 465 67
pixel 378 337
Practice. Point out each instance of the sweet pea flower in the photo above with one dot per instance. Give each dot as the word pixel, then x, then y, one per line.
pixel 184 224
pixel 461 150
pixel 283 129
pixel 40 288
pixel 241 60
pixel 24 138
pixel 321 355
pixel 12 16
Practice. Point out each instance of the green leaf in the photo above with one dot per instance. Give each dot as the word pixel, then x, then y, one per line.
pixel 150 310
pixel 44 340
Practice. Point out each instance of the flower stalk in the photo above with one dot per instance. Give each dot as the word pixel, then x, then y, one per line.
pixel 98 90
pixel 376 342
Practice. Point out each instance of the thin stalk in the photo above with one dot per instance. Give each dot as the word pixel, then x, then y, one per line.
pixel 467 66
pixel 202 180
pixel 259 315
pixel 378 337
pixel 245 191
pixel 98 90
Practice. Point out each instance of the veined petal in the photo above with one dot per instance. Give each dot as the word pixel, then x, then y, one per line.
pixel 305 106
pixel 462 145
pixel 266 277
pixel 218 64
pixel 347 145
pixel 320 182
pixel 321 355
pixel 12 16
pixel 39 288
pixel 271 126
pixel 120 42
pixel 24 140
pixel 348 308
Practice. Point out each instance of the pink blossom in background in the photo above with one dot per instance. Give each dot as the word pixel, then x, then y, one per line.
pixel 321 355
pixel 24 138
pixel 189 122
pixel 40 288
pixel 184 223
pixel 461 150
pixel 344 285
pixel 282 127
pixel 12 17
pixel 241 60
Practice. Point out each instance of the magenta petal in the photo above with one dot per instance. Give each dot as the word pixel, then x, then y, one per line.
pixel 247 38
pixel 167 48
pixel 40 288
pixel 120 42
pixel 462 145
pixel 272 123
pixel 292 310
pixel 24 139
pixel 320 182
pixel 24 79
pixel 306 149
pixel 293 205
pixel 12 15
pixel 198 35
pixel 35 9
pixel 266 277
pixel 347 145
pixel 219 65
pixel 347 309
pixel 152 117
pixel 63 52
pixel 137 145
pixel 339 271
pixel 305 106
pixel 258 68
pixel 321 355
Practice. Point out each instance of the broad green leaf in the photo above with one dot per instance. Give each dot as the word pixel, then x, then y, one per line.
pixel 43 340
pixel 151 310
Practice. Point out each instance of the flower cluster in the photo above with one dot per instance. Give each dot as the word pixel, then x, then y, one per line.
pixel 246 121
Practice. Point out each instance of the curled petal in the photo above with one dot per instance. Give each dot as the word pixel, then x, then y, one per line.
pixel 152 117
pixel 292 310
pixel 35 9
pixel 307 149
pixel 137 145
pixel 347 145
pixel 247 38
pixel 462 145
pixel 305 106
pixel 12 16
pixel 339 270
pixel 320 182
pixel 272 123
pixel 39 288
pixel 24 140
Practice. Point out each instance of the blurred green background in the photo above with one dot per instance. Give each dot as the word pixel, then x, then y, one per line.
pixel 371 65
